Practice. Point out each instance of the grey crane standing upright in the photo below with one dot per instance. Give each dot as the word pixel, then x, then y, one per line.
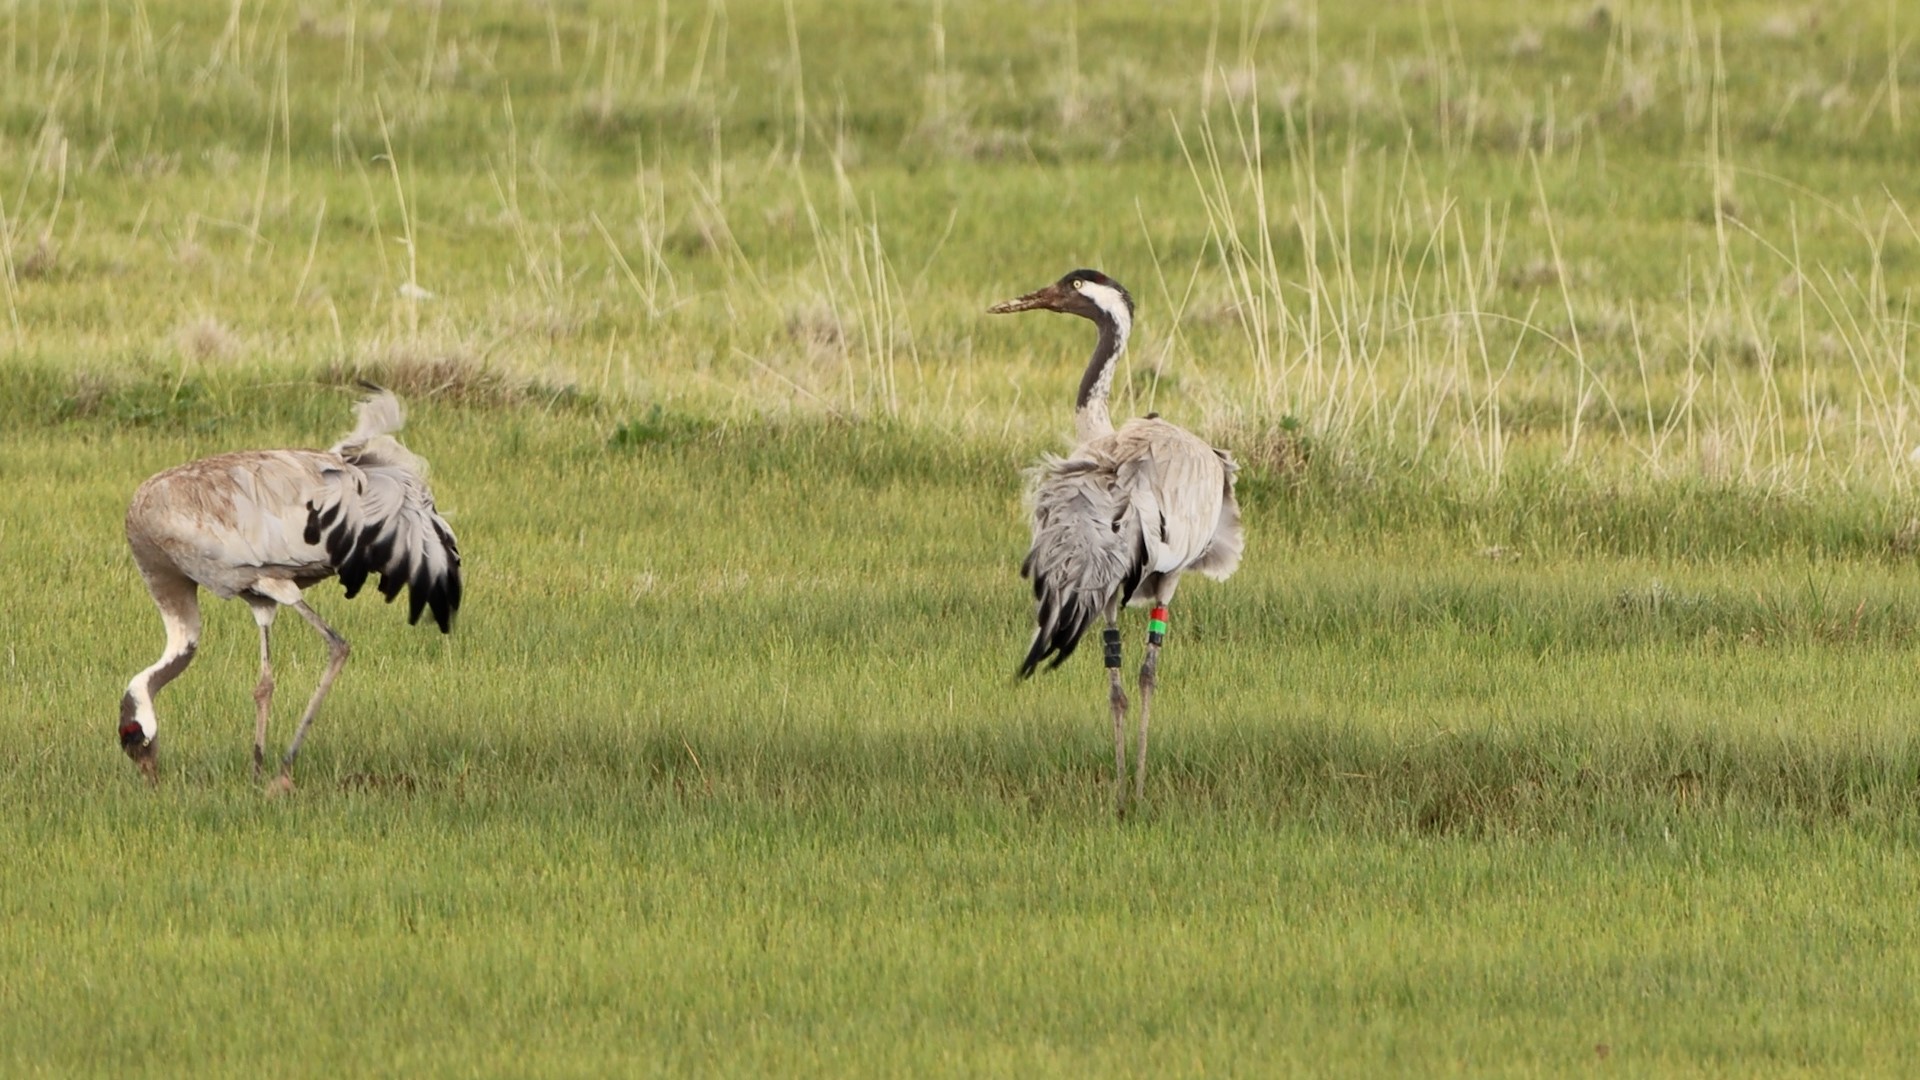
pixel 1119 519
pixel 263 525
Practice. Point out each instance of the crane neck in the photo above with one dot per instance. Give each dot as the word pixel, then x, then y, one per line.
pixel 1090 416
pixel 180 613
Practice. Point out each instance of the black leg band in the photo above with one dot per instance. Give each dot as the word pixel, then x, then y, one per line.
pixel 1110 637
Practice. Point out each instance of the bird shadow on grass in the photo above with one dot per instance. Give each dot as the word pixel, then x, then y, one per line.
pixel 389 784
pixel 1472 785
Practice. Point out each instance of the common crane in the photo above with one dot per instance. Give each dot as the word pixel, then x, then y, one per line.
pixel 1118 520
pixel 262 525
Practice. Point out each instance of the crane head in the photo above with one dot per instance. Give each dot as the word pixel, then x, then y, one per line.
pixel 136 738
pixel 1089 294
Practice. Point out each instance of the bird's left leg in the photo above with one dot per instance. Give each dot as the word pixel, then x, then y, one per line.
pixel 337 649
pixel 1149 670
pixel 1117 701
pixel 263 613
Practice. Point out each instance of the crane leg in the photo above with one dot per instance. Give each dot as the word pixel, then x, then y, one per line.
pixel 337 649
pixel 1117 700
pixel 1149 672
pixel 263 614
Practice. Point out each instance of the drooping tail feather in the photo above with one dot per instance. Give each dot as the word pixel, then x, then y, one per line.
pixel 388 525
pixel 1088 555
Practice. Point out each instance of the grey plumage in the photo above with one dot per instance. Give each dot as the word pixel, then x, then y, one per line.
pixel 1118 522
pixel 263 525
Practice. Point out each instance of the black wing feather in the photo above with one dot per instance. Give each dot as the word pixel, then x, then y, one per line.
pixel 381 548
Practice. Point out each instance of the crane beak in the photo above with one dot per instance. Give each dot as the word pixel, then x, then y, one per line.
pixel 145 755
pixel 1048 298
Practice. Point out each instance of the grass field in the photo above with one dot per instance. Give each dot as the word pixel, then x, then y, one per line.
pixel 1560 717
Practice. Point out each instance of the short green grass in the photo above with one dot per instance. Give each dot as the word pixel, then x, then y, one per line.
pixel 1560 716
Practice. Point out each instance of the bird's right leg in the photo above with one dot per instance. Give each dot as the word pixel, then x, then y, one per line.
pixel 1149 679
pixel 263 613
pixel 337 650
pixel 1117 701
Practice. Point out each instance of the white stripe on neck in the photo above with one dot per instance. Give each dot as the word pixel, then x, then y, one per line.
pixel 1092 420
pixel 1110 301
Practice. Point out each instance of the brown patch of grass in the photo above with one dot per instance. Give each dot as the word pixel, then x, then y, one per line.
pixel 451 373
pixel 1469 810
pixel 1905 541
pixel 700 232
pixel 1281 451
pixel 815 326
pixel 1790 25
pixel 379 784
pixel 1536 274
pixel 40 263
pixel 87 391
pixel 206 338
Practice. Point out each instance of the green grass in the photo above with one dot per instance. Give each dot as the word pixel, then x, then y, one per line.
pixel 688 794
pixel 1559 717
